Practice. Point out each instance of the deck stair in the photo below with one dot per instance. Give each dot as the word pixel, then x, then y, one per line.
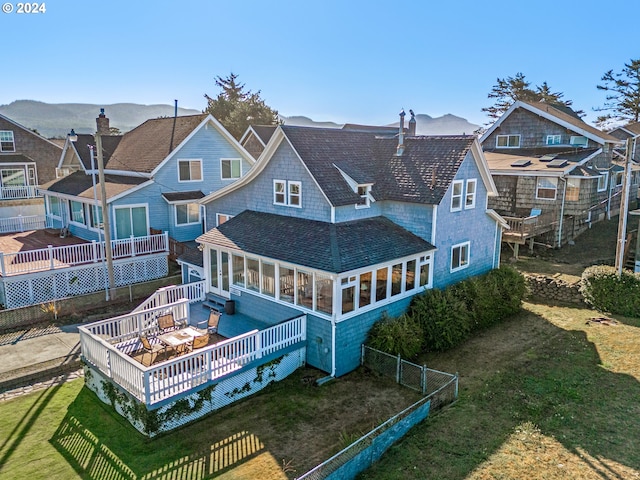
pixel 214 302
pixel 630 251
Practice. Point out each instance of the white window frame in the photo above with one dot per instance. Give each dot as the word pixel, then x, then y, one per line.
pixel 231 161
pixel 4 138
pixel 469 205
pixel 187 223
pixel 508 137
pixel 92 214
pixel 60 207
pixel 82 211
pixel 286 193
pixel 190 161
pixel 13 171
pixel 366 195
pixel 604 177
pixel 554 140
pixel 463 262
pixel 424 260
pixel 555 191
pixel 573 140
pixel 457 196
pixel 220 216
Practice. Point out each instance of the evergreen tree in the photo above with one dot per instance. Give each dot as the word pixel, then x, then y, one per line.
pixel 623 97
pixel 508 90
pixel 236 108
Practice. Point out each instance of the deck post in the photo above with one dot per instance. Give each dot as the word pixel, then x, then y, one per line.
pixel 2 270
pixel 50 248
pixel 94 251
pixel 258 345
pixel 133 246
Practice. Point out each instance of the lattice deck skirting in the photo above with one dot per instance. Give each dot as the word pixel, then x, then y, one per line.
pixel 23 290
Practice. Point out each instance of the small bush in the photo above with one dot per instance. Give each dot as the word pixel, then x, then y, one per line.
pixel 499 295
pixel 400 335
pixel 603 289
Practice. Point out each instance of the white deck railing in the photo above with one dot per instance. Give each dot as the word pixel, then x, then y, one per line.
pixel 23 223
pixel 19 192
pixel 99 343
pixel 194 292
pixel 51 257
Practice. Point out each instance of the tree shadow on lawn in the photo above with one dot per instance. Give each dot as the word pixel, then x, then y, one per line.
pixel 557 383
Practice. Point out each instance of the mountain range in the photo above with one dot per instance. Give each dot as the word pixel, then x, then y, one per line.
pixel 55 120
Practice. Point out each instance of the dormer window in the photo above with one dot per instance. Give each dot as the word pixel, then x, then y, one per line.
pixel 578 141
pixel 365 193
pixel 7 143
pixel 508 141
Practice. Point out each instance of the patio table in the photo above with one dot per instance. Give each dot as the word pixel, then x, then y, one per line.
pixel 178 339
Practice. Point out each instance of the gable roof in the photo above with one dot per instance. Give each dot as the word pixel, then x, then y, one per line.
pixel 323 246
pixel 81 147
pixel 15 158
pixel 632 129
pixel 79 184
pixel 146 146
pixel 29 131
pixel 555 115
pixel 262 132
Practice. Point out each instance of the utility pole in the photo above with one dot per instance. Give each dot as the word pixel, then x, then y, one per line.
pixel 105 219
pixel 624 208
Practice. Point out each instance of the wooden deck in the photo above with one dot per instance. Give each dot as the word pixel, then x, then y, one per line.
pixel 34 240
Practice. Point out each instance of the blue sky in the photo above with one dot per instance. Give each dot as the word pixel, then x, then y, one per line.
pixel 344 61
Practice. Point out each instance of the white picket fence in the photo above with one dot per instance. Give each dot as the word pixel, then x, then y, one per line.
pixel 194 292
pixel 19 192
pixel 23 223
pixel 104 346
pixel 52 258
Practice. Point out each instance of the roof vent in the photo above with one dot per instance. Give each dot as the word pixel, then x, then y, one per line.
pixel 525 162
pixel 557 163
pixel 548 157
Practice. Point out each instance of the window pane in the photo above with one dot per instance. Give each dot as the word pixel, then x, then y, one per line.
pixel 305 289
pixel 224 269
pixel 269 279
pixel 424 274
pixel 238 270
pixel 54 206
pixel 324 294
pixel 181 214
pixel 213 267
pixel 410 276
pixel 348 297
pixel 77 211
pixel 455 257
pixel 226 168
pixel 279 193
pixel 365 289
pixel 381 284
pixel 286 284
pixel 184 170
pixel 194 167
pixel 139 221
pixel 235 168
pixel 13 178
pixel 96 216
pixel 253 274
pixel 396 279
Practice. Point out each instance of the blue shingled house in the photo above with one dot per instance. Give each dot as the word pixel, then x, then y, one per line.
pixel 344 225
pixel 154 177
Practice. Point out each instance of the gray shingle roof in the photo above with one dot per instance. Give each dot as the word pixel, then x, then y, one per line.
pixel 81 185
pixel 324 246
pixel 264 132
pixel 183 196
pixel 421 175
pixel 109 144
pixel 15 158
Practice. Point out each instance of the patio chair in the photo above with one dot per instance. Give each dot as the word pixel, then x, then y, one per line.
pixel 198 342
pixel 152 349
pixel 211 325
pixel 166 322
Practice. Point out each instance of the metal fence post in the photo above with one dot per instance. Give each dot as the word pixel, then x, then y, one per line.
pixel 424 379
pixel 362 354
pixel 398 367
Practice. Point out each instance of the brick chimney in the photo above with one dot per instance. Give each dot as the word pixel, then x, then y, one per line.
pixel 412 124
pixel 400 149
pixel 102 123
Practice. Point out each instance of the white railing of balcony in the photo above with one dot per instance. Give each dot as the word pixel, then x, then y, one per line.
pixel 19 192
pixel 172 377
pixel 23 223
pixel 51 257
pixel 194 292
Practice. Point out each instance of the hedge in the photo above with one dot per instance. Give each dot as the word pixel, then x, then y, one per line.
pixel 603 289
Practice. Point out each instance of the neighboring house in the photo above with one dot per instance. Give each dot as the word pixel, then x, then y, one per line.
pixel 346 225
pixel 554 173
pixel 26 160
pixel 256 138
pixel 155 176
pixel 631 130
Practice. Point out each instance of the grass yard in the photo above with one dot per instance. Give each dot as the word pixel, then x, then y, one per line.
pixel 65 432
pixel 548 395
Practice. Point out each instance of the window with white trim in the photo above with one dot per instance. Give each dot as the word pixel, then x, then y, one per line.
pixel 546 188
pixel 578 141
pixel 187 213
pixel 364 192
pixel 287 193
pixel 470 197
pixel 348 285
pixel 602 181
pixel 77 211
pixel 95 216
pixel 456 195
pixel 221 218
pixel 7 143
pixel 424 266
pixel 554 139
pixel 618 179
pixel 507 141
pixel 189 170
pixel 55 206
pixel 460 256
pixel 12 177
pixel 230 168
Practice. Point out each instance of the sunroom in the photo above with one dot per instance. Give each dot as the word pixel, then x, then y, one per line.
pixel 342 276
pixel 18 177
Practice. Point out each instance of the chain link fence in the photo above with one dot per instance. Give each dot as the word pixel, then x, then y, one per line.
pixel 439 389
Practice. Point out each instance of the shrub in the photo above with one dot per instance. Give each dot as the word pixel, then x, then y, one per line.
pixel 443 316
pixel 602 288
pixel 400 335
pixel 499 295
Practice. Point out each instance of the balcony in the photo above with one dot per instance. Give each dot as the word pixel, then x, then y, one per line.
pixel 19 192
